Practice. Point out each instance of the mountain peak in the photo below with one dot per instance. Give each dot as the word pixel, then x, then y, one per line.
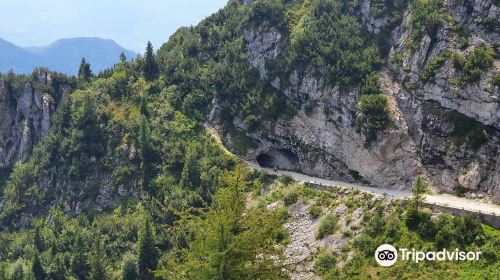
pixel 62 55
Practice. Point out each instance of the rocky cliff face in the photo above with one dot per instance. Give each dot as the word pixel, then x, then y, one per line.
pixel 25 114
pixel 425 114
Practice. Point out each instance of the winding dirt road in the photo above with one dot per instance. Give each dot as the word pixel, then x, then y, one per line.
pixel 439 199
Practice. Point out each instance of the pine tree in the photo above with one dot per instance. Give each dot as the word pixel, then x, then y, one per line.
pixel 147 258
pixel 129 270
pixel 232 242
pixel 96 260
pixel 150 67
pixel 37 268
pixel 79 262
pixel 123 57
pixel 145 155
pixel 84 72
pixel 418 191
pixel 414 216
pixel 18 273
pixel 38 240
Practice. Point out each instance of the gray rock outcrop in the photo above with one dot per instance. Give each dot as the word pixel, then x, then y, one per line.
pixel 26 115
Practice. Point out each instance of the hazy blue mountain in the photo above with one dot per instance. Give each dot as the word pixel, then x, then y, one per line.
pixel 63 55
pixel 16 58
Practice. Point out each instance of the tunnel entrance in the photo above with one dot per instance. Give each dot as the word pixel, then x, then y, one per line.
pixel 265 160
pixel 279 158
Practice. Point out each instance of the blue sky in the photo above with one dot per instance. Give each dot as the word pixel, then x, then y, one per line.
pixel 131 23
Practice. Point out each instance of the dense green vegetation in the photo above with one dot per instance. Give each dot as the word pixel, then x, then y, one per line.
pixel 426 17
pixel 479 60
pixel 432 67
pixel 411 226
pixel 373 106
pixel 335 41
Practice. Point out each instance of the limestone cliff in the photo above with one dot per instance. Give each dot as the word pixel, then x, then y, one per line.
pixel 425 113
pixel 26 108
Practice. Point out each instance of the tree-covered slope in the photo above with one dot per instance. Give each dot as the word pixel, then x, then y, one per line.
pixel 127 184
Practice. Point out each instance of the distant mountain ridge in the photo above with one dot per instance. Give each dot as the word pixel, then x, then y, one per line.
pixel 63 55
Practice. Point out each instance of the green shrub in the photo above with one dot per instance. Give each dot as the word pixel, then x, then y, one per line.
pixel 426 17
pixel 370 85
pixel 286 179
pixel 495 80
pixel 325 262
pixel 347 233
pixel 430 69
pixel 328 226
pixel 315 211
pixel 291 198
pixel 480 59
pixel 374 109
pixel 458 60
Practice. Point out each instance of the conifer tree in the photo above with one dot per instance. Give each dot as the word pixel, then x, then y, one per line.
pixel 96 260
pixel 147 258
pixel 418 193
pixel 37 268
pixel 123 57
pixel 145 154
pixel 231 242
pixel 84 72
pixel 414 215
pixel 38 240
pixel 129 270
pixel 150 66
pixel 18 273
pixel 79 262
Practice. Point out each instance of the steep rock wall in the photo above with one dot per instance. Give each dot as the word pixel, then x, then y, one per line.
pixel 25 115
pixel 323 141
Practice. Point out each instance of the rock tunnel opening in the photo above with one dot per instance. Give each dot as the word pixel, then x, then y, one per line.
pixel 265 160
pixel 279 158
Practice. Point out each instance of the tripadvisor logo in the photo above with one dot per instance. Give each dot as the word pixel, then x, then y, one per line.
pixel 387 255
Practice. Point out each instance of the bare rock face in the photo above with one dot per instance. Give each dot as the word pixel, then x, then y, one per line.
pixel 264 43
pixel 25 115
pixel 373 24
pixel 420 141
pixel 471 178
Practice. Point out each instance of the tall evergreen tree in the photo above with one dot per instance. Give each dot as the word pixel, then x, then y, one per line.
pixel 414 214
pixel 130 270
pixel 231 242
pixel 18 273
pixel 96 260
pixel 418 191
pixel 148 255
pixel 37 268
pixel 38 240
pixel 150 66
pixel 123 57
pixel 79 261
pixel 84 72
pixel 145 155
